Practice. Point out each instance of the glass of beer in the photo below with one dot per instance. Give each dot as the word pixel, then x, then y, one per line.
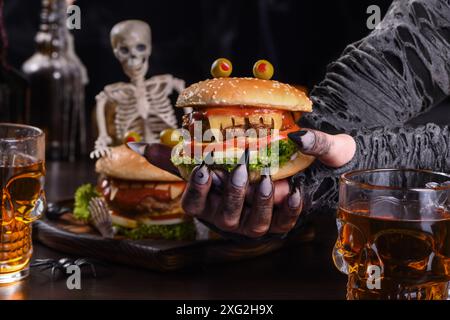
pixel 394 234
pixel 22 171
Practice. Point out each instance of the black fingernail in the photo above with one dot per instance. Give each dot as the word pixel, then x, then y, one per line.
pixel 294 199
pixel 245 158
pixel 201 174
pixel 304 139
pixel 266 186
pixel 216 181
pixel 209 158
pixel 138 147
pixel 239 176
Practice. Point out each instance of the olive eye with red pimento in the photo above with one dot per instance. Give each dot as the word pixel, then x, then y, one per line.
pixel 132 136
pixel 170 137
pixel 263 69
pixel 221 68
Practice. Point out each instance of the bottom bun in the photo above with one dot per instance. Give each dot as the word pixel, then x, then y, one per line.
pixel 289 169
pixel 170 229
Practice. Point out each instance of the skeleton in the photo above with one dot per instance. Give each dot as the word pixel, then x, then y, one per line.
pixel 141 106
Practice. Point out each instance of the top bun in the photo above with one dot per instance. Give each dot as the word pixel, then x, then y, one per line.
pixel 250 92
pixel 128 165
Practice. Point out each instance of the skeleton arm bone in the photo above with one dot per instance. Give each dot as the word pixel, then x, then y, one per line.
pixel 103 140
pixel 179 85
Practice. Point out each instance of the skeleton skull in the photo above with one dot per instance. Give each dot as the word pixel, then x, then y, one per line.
pixel 131 42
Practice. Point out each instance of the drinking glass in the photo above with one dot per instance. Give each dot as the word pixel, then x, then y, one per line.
pixel 22 171
pixel 394 234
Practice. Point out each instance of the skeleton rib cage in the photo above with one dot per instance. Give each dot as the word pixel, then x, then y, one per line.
pixel 159 113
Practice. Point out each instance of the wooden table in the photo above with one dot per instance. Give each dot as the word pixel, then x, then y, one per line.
pixel 302 272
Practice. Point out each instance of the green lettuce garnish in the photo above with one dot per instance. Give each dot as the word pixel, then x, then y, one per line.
pixel 180 231
pixel 83 195
pixel 286 149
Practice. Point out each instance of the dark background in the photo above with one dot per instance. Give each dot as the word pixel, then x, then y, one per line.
pixel 299 37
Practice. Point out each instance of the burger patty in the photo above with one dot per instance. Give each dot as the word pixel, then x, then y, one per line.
pixel 130 198
pixel 150 204
pixel 234 131
pixel 146 206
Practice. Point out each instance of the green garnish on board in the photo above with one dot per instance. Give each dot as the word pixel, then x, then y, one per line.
pixel 83 195
pixel 180 231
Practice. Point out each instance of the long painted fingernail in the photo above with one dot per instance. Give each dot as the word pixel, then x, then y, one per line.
pixel 138 147
pixel 304 139
pixel 245 157
pixel 201 174
pixel 266 186
pixel 209 158
pixel 216 180
pixel 295 199
pixel 239 176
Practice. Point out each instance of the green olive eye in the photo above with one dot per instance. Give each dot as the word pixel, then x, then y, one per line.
pixel 132 136
pixel 170 137
pixel 263 69
pixel 221 68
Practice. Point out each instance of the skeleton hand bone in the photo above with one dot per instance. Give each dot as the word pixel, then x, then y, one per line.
pixel 101 147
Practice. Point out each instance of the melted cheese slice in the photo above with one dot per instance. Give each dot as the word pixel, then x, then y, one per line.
pixel 220 122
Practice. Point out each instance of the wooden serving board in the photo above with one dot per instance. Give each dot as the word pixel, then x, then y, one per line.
pixel 75 238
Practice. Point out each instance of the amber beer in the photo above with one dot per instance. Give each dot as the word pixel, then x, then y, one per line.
pixel 414 255
pixel 22 189
pixel 394 234
pixel 22 172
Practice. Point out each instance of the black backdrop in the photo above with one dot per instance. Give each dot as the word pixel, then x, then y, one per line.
pixel 299 37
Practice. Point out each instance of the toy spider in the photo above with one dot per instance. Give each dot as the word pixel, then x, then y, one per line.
pixel 62 264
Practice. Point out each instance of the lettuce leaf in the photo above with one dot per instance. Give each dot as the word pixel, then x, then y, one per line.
pixel 180 231
pixel 83 195
pixel 286 149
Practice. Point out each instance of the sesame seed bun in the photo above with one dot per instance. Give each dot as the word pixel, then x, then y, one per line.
pixel 250 92
pixel 128 165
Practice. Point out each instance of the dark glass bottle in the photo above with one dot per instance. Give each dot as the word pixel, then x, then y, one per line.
pixel 14 91
pixel 57 89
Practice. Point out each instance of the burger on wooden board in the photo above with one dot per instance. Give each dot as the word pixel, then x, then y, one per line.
pixel 229 108
pixel 144 200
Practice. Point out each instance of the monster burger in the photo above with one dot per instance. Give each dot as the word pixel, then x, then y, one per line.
pixel 144 200
pixel 230 108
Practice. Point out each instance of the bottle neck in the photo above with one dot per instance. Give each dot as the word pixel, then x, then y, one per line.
pixel 3 39
pixel 53 33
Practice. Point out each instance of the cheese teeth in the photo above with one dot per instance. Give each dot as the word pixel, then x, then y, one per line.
pixel 220 122
pixel 238 121
pixel 113 194
pixel 255 119
pixel 273 120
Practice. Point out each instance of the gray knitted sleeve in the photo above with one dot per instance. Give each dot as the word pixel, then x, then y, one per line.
pixel 379 83
pixel 424 147
pixel 398 71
